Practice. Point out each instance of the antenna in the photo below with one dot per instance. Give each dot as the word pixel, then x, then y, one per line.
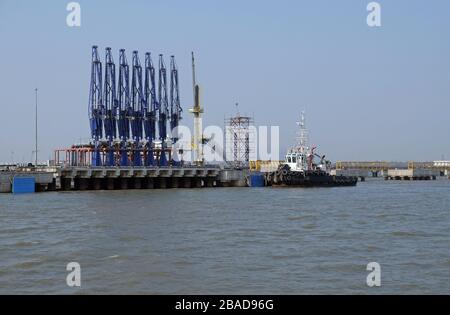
pixel 302 134
pixel 36 131
pixel 193 75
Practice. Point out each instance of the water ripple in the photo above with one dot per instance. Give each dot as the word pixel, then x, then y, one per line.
pixel 229 241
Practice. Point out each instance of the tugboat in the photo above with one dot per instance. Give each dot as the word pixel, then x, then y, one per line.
pixel 303 167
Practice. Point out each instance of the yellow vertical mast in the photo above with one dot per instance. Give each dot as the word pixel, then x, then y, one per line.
pixel 197 110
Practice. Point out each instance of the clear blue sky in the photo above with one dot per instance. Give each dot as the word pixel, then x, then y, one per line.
pixel 369 93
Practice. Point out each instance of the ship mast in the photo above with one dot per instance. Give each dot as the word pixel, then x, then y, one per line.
pixel 302 135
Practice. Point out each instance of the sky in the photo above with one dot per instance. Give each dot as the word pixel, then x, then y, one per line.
pixel 379 93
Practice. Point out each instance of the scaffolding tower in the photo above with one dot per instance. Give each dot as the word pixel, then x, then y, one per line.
pixel 240 137
pixel 302 135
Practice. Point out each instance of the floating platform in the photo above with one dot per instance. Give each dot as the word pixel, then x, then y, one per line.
pixel 411 174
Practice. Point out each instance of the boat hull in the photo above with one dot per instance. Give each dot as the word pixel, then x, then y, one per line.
pixel 309 179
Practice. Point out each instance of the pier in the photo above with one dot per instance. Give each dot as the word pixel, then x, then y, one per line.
pixel 43 180
pixel 110 178
pixel 77 178
pixel 412 174
pixel 64 177
pixel 394 170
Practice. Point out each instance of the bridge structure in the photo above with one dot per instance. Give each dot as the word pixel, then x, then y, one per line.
pixel 442 166
pixel 374 166
pixel 362 169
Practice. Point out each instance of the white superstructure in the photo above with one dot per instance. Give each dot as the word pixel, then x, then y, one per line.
pixel 301 157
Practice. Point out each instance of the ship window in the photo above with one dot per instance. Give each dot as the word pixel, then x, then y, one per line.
pixel 294 159
pixel 289 159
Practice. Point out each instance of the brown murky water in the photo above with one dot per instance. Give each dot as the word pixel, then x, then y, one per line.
pixel 229 241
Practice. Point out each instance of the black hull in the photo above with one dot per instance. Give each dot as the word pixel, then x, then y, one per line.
pixel 309 179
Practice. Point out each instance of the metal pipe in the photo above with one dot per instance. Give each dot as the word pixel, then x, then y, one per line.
pixel 36 130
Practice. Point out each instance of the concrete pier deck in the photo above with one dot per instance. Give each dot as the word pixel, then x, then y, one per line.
pixel 44 181
pixel 411 174
pixel 109 178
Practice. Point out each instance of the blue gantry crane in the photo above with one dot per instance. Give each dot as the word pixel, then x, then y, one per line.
pixel 163 110
pixel 151 108
pixel 137 102
pixel 96 107
pixel 124 107
pixel 175 107
pixel 123 118
pixel 110 105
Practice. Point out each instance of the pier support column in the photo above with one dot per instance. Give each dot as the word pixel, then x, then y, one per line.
pixel 175 182
pixel 198 182
pixel 163 183
pixel 39 188
pixel 96 183
pixel 209 182
pixel 52 186
pixel 149 183
pixel 110 183
pixel 66 184
pixel 124 183
pixel 81 184
pixel 137 183
pixel 187 182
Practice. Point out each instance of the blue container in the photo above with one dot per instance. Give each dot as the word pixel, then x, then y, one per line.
pixel 23 185
pixel 257 180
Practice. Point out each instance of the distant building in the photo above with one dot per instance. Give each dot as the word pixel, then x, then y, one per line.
pixel 442 164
